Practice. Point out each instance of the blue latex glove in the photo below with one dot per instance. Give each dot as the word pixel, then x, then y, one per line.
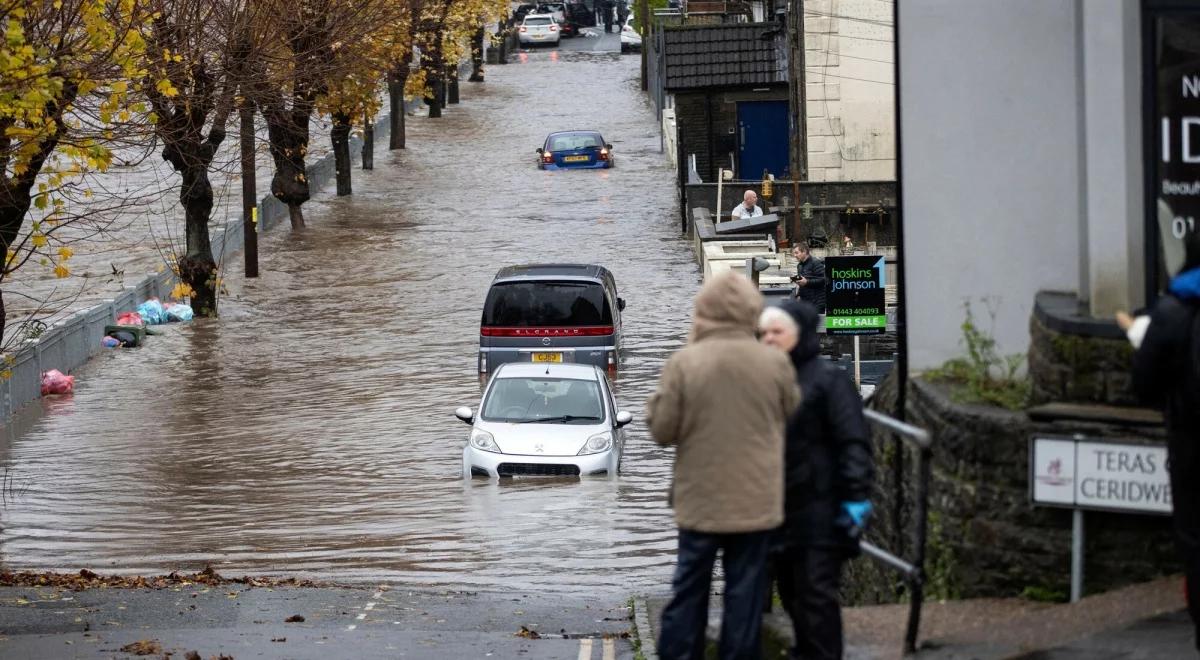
pixel 857 512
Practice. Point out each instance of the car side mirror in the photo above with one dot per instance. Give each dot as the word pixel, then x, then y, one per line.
pixel 464 413
pixel 621 304
pixel 539 150
pixel 608 146
pixel 624 418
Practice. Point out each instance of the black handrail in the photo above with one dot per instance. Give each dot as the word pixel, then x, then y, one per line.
pixel 914 571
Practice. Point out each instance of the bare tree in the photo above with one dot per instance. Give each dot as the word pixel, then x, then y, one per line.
pixel 199 52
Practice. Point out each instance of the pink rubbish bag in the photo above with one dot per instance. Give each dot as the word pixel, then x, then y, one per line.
pixel 56 382
pixel 130 318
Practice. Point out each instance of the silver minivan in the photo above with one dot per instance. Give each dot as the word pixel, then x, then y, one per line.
pixel 551 313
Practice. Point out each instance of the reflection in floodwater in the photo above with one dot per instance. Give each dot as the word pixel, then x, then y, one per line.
pixel 310 430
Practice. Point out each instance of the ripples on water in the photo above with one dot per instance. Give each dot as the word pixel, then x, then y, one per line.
pixel 310 430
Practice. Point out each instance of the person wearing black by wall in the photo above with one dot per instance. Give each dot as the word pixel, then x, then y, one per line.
pixel 810 277
pixel 1166 373
pixel 828 476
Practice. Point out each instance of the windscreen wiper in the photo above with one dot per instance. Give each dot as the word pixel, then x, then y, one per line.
pixel 560 419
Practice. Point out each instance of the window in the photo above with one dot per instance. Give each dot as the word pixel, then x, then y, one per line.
pixel 533 399
pixel 546 304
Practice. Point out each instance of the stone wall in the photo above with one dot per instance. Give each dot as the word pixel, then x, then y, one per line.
pixel 1074 358
pixel 986 539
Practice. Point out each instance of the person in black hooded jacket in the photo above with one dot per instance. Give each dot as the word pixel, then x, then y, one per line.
pixel 829 472
pixel 1166 373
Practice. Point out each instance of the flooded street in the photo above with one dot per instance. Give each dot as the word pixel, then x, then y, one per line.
pixel 309 431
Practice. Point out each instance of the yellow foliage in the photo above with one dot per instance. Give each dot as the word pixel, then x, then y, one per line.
pixel 53 54
pixel 61 271
pixel 65 253
pixel 182 290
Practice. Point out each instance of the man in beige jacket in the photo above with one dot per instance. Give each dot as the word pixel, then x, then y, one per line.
pixel 723 402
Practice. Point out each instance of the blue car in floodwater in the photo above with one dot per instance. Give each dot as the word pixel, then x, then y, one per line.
pixel 575 150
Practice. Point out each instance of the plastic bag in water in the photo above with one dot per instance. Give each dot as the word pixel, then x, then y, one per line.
pixel 152 312
pixel 179 312
pixel 130 318
pixel 56 382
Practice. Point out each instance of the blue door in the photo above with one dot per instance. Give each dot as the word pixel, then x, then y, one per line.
pixel 762 139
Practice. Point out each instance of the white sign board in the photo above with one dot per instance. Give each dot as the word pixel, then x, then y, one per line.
pixel 1087 474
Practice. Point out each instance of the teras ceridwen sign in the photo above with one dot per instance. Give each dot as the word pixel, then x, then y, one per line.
pixel 1093 474
pixel 854 295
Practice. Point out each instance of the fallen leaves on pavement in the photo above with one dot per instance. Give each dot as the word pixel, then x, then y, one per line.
pixel 143 647
pixel 295 618
pixel 86 579
pixel 527 633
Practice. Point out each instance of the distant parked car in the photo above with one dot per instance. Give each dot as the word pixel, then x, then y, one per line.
pixel 547 420
pixel 538 29
pixel 579 15
pixel 521 12
pixel 631 39
pixel 550 314
pixel 559 11
pixel 575 149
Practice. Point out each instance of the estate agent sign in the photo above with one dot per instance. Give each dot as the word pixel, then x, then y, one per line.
pixel 854 301
pixel 1089 474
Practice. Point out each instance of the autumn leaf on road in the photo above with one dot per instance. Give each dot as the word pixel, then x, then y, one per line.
pixel 295 618
pixel 527 633
pixel 143 647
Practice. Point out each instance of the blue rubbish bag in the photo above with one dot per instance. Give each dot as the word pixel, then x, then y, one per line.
pixel 152 312
pixel 179 312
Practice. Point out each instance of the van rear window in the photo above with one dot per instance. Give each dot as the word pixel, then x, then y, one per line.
pixel 540 304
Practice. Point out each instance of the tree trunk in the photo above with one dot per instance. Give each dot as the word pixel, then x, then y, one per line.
pixel 396 110
pixel 339 135
pixel 368 147
pixel 197 268
pixel 296 215
pixel 436 94
pixel 288 134
pixel 452 72
pixel 477 55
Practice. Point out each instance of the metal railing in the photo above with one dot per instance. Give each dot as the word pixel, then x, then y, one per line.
pixel 913 571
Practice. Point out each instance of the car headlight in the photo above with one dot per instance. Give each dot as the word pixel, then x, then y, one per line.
pixel 483 441
pixel 597 443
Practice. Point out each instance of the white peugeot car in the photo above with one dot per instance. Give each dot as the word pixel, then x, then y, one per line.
pixel 538 29
pixel 545 419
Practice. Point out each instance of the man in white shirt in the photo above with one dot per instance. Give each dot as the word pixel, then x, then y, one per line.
pixel 748 208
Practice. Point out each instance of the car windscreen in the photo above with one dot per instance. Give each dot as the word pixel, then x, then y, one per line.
pixel 546 400
pixel 546 304
pixel 573 141
pixel 538 20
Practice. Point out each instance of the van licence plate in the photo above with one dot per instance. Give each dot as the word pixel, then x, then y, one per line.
pixel 575 159
pixel 547 357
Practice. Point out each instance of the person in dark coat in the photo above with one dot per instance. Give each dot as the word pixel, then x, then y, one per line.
pixel 829 472
pixel 1166 373
pixel 810 277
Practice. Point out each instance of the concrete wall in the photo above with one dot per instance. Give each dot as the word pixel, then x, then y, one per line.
pixel 990 117
pixel 1112 277
pixel 850 82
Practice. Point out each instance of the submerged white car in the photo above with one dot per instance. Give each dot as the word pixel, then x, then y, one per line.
pixel 545 419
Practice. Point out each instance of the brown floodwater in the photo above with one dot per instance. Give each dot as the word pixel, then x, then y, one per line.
pixel 309 430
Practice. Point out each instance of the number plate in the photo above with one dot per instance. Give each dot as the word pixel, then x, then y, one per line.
pixel 575 159
pixel 547 357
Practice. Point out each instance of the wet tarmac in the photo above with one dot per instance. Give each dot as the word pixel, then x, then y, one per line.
pixel 310 431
